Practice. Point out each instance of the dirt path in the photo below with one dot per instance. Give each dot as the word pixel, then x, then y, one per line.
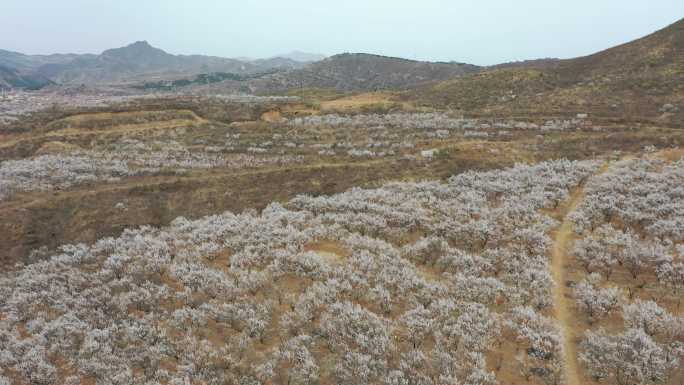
pixel 564 303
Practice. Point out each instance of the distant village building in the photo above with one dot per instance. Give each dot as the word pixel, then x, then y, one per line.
pixel 429 153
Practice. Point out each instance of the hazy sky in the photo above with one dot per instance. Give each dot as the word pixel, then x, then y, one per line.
pixel 479 32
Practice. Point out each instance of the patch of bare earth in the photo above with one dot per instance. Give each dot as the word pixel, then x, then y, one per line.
pixel 360 101
pixel 331 251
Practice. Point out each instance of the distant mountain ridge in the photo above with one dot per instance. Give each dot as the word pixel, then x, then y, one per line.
pixel 355 72
pixel 640 77
pixel 136 62
pixel 141 63
pixel 11 78
pixel 302 57
pixel 343 72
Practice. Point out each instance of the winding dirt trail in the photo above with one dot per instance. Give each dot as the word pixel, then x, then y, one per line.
pixel 564 303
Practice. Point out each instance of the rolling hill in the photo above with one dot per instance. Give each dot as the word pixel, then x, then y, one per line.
pixel 640 79
pixel 12 78
pixel 355 72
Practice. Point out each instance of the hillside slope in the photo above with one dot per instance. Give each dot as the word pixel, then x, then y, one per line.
pixel 355 72
pixel 640 79
pixel 11 78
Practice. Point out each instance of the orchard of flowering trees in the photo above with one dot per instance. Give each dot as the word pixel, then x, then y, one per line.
pixel 630 234
pixel 387 135
pixel 410 283
pixel 434 121
pixel 127 158
pixel 17 103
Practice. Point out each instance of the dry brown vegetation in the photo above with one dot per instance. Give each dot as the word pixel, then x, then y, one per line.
pixel 641 81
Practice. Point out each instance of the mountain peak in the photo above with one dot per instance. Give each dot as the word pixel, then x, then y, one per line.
pixel 140 44
pixel 140 50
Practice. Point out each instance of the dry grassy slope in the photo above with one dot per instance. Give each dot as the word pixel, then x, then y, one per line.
pixel 659 53
pixel 632 81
